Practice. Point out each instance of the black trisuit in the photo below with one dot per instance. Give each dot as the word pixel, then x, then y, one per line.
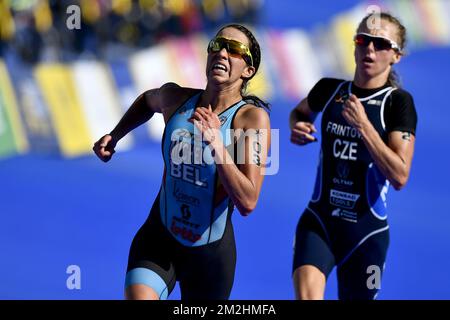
pixel 345 223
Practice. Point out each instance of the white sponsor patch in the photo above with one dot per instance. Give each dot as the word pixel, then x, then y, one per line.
pixel 375 102
pixel 343 199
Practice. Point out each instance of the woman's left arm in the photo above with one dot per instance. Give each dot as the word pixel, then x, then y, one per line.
pixel 242 181
pixel 394 159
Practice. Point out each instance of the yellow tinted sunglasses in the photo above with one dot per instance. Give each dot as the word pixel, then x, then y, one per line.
pixel 232 47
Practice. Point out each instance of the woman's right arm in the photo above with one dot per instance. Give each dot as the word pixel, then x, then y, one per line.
pixel 301 122
pixel 140 112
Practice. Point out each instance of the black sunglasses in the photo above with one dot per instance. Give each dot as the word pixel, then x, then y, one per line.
pixel 379 43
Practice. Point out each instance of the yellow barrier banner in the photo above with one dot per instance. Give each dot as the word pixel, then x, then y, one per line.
pixel 12 135
pixel 58 88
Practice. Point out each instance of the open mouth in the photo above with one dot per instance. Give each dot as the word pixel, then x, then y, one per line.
pixel 368 60
pixel 219 66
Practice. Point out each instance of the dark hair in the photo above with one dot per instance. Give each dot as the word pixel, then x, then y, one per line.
pixel 393 79
pixel 256 55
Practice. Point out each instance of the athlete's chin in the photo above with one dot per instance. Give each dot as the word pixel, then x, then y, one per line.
pixel 368 72
pixel 217 80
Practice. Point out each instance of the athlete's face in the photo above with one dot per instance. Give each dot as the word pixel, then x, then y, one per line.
pixel 225 67
pixel 374 60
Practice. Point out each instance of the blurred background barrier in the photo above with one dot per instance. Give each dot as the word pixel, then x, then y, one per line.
pixel 62 87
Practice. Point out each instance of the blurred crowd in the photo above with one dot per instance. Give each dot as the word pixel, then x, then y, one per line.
pixel 63 30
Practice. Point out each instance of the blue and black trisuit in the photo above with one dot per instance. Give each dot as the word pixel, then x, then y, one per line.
pixel 188 235
pixel 345 223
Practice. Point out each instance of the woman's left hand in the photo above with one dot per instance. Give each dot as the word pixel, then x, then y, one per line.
pixel 207 122
pixel 354 113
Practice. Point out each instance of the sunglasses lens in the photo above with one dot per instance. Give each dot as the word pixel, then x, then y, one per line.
pixel 233 47
pixel 213 46
pixel 378 43
pixel 381 44
pixel 361 40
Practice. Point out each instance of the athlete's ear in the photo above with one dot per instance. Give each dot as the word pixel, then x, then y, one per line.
pixel 248 72
pixel 396 58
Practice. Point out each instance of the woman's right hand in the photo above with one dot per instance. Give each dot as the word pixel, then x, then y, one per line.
pixel 301 133
pixel 104 148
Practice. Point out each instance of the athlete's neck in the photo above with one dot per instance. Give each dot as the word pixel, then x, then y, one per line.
pixel 366 82
pixel 219 99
